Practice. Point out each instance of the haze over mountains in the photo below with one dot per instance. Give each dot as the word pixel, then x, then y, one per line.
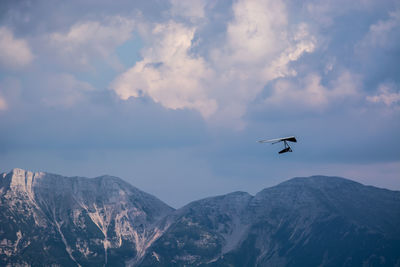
pixel 329 221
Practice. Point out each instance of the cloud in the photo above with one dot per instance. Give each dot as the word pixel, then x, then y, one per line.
pixel 311 93
pixel 303 43
pixel 63 90
pixel 257 31
pixel 193 9
pixel 88 41
pixel 257 47
pixel 169 73
pixel 387 94
pixel 384 33
pixel 14 53
pixel 325 12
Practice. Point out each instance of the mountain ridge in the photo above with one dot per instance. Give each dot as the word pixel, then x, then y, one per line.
pixel 107 221
pixel 107 209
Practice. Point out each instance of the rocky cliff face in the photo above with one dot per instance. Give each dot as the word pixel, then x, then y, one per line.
pixel 315 221
pixel 48 219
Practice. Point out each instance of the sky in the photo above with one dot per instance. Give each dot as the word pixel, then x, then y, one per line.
pixel 172 96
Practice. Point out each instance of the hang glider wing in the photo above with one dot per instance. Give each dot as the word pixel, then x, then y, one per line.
pixel 277 140
pixel 287 148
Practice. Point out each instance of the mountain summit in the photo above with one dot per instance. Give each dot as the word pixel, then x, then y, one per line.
pixel 49 219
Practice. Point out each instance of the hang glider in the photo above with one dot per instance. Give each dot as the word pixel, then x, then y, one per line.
pixel 284 140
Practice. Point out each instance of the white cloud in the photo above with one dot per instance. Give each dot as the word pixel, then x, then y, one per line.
pixel 257 32
pixel 303 43
pixel 387 94
pixel 14 53
pixel 168 73
pixel 346 85
pixel 258 47
pixel 89 41
pixel 382 39
pixel 384 33
pixel 311 93
pixel 64 90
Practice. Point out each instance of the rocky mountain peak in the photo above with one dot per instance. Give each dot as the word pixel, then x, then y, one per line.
pixel 48 219
pixel 92 218
pixel 19 181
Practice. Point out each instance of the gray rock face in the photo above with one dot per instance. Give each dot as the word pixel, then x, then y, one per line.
pixel 316 221
pixel 48 219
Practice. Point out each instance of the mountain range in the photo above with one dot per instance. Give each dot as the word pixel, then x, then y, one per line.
pixel 48 219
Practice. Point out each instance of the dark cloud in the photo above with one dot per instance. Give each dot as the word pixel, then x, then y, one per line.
pixel 28 17
pixel 99 121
